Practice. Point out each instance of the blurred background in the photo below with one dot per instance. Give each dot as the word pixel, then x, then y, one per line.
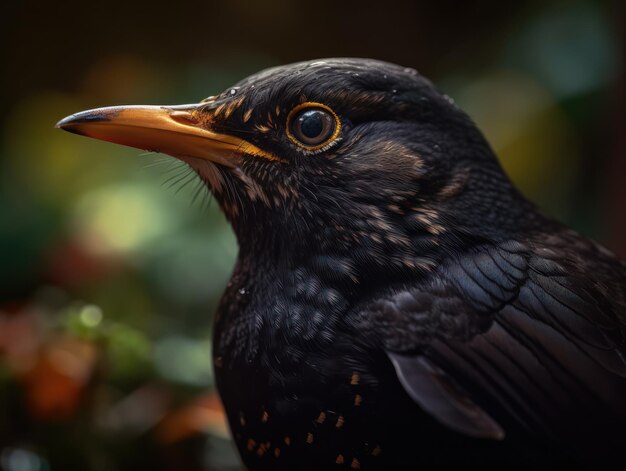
pixel 112 261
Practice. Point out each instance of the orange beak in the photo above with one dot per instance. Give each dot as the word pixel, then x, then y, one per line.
pixel 180 131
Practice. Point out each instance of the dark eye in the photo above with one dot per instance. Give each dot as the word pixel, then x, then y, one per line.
pixel 313 127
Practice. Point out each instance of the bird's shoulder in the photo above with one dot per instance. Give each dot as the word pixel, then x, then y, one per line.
pixel 543 275
pixel 520 331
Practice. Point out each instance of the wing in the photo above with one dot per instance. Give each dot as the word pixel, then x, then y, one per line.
pixel 527 335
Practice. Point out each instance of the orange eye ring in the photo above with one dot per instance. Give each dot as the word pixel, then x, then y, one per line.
pixel 311 105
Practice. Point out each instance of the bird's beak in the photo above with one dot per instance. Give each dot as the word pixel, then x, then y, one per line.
pixel 181 131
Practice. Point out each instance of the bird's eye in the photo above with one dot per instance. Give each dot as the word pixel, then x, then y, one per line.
pixel 312 126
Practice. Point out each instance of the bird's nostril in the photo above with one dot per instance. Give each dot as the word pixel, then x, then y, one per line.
pixel 184 117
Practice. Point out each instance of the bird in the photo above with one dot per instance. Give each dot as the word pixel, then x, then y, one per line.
pixel 396 301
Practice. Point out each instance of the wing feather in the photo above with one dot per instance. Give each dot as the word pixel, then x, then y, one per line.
pixel 521 334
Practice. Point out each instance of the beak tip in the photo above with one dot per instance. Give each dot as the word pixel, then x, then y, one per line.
pixel 62 123
pixel 68 124
pixel 98 115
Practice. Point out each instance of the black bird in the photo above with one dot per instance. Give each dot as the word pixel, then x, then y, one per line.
pixel 396 302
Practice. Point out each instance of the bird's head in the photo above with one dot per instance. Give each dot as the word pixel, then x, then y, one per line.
pixel 329 156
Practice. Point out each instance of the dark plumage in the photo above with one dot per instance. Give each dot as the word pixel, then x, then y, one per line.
pixel 396 301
